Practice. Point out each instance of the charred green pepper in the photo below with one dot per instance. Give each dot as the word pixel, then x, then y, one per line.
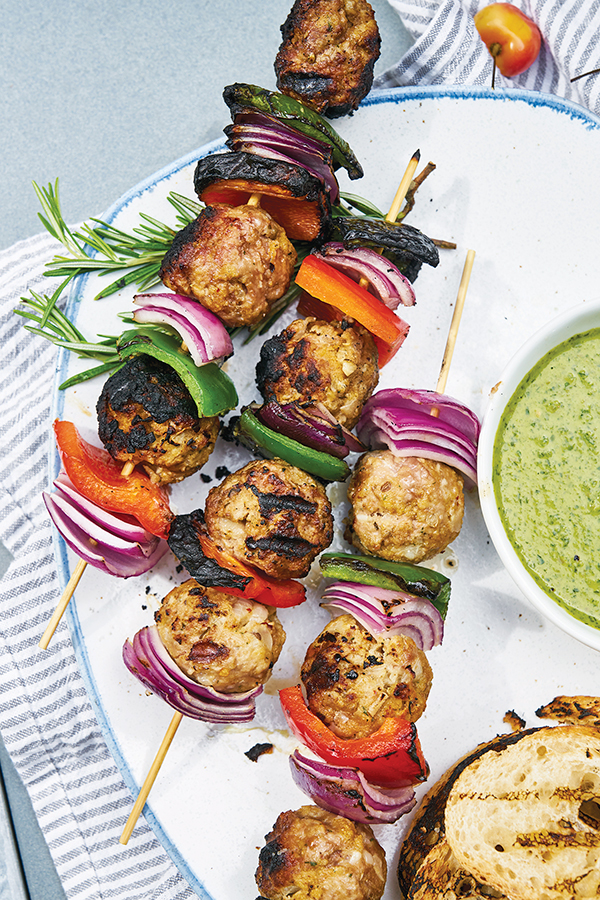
pixel 254 435
pixel 212 390
pixel 383 573
pixel 245 97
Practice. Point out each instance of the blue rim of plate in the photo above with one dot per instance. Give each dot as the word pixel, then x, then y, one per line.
pixel 377 97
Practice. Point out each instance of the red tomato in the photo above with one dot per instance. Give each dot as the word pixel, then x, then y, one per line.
pixel 512 38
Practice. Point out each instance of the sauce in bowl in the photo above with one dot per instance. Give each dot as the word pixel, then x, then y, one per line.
pixel 546 474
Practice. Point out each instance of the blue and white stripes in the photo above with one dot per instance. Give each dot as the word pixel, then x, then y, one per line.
pixel 47 722
pixel 448 49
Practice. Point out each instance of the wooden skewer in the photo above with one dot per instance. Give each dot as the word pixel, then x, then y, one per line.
pixel 127 469
pixel 253 200
pixel 62 603
pixel 403 187
pixel 460 302
pixel 150 778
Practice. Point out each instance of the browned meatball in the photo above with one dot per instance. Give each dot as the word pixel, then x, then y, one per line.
pixel 404 508
pixel 334 363
pixel 312 854
pixel 147 415
pixel 327 55
pixel 354 680
pixel 221 641
pixel 235 261
pixel 272 515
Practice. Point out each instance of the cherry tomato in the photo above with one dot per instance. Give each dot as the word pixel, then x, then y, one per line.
pixel 512 38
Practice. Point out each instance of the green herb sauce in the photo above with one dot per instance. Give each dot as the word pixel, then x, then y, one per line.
pixel 547 474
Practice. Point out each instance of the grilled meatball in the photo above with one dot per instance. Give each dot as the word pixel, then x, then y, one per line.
pixel 235 261
pixel 354 680
pixel 218 640
pixel 312 854
pixel 327 55
pixel 272 515
pixel 146 415
pixel 334 363
pixel 403 508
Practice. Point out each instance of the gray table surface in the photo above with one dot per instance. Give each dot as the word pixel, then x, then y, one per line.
pixel 100 95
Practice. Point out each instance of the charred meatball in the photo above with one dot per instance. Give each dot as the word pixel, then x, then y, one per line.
pixel 404 508
pixel 235 261
pixel 147 415
pixel 354 680
pixel 327 54
pixel 312 854
pixel 220 641
pixel 272 515
pixel 334 363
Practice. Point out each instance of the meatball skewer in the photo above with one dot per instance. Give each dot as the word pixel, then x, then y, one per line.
pixel 409 508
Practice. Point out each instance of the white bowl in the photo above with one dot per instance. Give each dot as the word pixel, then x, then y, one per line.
pixel 573 321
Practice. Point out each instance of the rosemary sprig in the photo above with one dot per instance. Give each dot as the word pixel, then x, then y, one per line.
pixel 137 255
pixel 52 324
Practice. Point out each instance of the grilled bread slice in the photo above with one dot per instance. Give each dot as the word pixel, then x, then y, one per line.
pixel 428 826
pixel 526 820
pixel 441 877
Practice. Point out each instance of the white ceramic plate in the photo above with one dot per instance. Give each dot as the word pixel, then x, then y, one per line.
pixel 515 181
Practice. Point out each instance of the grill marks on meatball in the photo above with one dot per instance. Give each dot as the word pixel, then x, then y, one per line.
pixel 355 680
pixel 146 415
pixel 235 261
pixel 272 515
pixel 328 53
pixel 333 363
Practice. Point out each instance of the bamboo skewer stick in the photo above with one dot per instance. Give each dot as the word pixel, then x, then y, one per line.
pixel 403 187
pixel 453 332
pixel 150 778
pixel 62 603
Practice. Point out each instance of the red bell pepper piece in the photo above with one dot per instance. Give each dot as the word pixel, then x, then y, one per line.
pixel 98 477
pixel 332 287
pixel 390 757
pixel 281 594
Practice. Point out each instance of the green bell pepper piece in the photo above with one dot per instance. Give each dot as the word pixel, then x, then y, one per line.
pixel 315 462
pixel 212 390
pixel 383 573
pixel 249 96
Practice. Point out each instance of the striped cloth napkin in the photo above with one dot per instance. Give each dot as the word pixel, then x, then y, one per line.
pixel 448 50
pixel 46 721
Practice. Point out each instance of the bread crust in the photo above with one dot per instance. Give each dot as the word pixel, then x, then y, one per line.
pixel 428 827
pixel 517 819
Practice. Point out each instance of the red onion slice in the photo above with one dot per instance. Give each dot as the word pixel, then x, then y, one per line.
pixel 386 612
pixel 311 425
pixel 386 281
pixel 115 545
pixel 147 659
pixel 269 138
pixel 401 420
pixel 203 333
pixel 346 791
pixel 124 526
pixel 449 410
